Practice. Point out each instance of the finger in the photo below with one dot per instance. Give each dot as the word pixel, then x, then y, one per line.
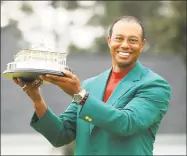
pixel 16 81
pixel 58 82
pixel 39 84
pixel 25 87
pixel 55 78
pixel 59 79
pixel 20 82
pixel 68 74
pixel 45 78
pixel 36 82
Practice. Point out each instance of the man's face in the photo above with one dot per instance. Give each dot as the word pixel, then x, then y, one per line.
pixel 125 43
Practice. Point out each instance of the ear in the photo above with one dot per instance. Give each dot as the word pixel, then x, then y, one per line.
pixel 108 40
pixel 143 44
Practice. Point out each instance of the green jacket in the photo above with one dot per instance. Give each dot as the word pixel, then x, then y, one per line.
pixel 126 125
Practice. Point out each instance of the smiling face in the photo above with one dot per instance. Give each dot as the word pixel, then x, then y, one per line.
pixel 125 44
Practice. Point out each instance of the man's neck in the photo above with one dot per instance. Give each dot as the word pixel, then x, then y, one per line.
pixel 118 69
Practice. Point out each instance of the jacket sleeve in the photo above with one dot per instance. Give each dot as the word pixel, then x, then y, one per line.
pixel 148 105
pixel 58 130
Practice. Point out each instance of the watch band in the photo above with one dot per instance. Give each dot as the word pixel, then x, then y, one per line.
pixel 84 99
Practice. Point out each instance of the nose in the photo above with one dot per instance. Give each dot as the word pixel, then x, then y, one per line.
pixel 124 44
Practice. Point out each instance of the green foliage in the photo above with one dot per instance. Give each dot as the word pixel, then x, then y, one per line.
pixel 164 23
pixel 70 5
pixel 143 10
pixel 26 8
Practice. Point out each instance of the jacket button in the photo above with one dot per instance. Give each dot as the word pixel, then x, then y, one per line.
pixel 86 117
pixel 90 119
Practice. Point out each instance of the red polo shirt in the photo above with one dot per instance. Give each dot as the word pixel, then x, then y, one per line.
pixel 114 79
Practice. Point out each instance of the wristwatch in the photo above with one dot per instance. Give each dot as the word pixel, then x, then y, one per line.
pixel 80 96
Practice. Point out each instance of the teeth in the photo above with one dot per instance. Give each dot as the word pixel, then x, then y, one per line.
pixel 124 54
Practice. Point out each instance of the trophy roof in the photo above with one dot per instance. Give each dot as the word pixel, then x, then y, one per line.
pixel 41 48
pixel 38 50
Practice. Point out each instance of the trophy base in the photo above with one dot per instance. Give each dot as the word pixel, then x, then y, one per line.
pixel 29 75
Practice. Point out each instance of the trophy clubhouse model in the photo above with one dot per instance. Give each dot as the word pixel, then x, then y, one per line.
pixel 29 64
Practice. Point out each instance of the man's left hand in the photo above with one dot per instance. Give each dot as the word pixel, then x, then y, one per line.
pixel 70 84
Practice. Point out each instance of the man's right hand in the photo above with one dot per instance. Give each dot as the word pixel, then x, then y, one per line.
pixel 32 89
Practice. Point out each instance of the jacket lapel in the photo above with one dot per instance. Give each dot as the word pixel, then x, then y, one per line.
pixel 99 88
pixel 100 84
pixel 123 87
pixel 126 83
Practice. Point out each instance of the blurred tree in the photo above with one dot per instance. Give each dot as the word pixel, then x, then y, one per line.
pixel 164 22
pixel 70 5
pixel 26 8
pixel 167 30
pixel 143 10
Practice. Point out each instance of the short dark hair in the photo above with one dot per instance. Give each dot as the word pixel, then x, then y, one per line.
pixel 127 18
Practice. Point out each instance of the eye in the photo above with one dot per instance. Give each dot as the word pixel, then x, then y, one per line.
pixel 118 38
pixel 133 40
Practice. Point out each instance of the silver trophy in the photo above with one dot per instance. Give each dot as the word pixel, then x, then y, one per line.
pixel 30 63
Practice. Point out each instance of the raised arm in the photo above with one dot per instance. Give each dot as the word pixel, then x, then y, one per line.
pixel 57 130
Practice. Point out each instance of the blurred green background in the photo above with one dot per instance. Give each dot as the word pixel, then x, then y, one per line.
pixel 164 22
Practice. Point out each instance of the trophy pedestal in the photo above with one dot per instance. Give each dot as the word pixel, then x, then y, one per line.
pixel 29 75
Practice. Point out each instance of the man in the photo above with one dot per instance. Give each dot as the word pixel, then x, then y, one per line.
pixel 115 113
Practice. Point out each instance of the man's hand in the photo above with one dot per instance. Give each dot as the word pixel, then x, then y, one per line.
pixel 32 89
pixel 70 84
